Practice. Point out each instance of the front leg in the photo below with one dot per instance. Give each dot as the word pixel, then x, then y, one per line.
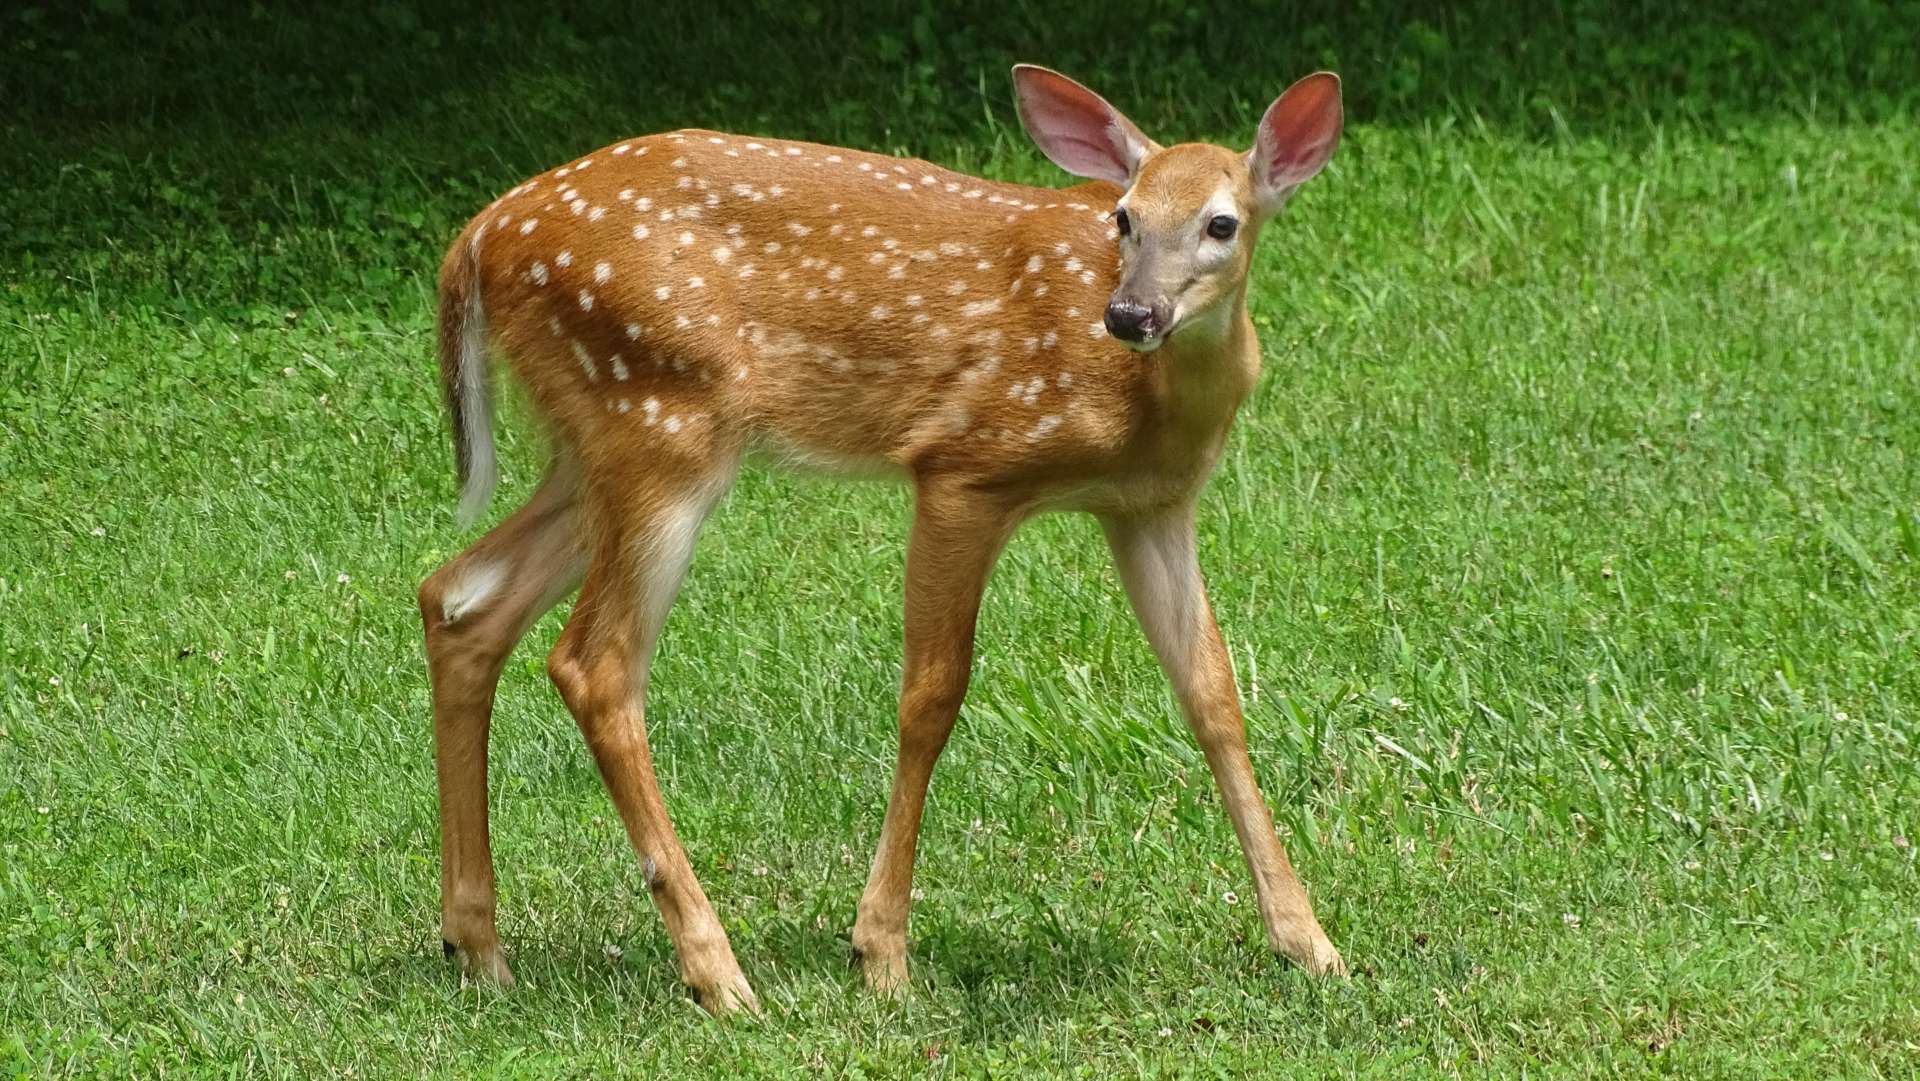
pixel 957 535
pixel 1157 562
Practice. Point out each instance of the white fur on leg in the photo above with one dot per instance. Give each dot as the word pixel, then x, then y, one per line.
pixel 472 589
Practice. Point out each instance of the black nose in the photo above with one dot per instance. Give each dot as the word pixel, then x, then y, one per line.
pixel 1130 322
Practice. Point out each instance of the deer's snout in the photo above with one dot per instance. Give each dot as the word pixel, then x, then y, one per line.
pixel 1133 322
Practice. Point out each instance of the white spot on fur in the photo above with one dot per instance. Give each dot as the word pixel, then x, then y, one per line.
pixel 527 226
pixel 471 589
pixel 663 292
pixel 586 361
pixel 602 271
pixel 619 367
pixel 641 232
pixel 1043 428
pixel 538 272
pixel 586 301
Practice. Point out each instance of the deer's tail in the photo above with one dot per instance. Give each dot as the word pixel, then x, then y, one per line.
pixel 464 375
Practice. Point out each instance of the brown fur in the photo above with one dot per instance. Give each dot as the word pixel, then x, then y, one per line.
pixel 684 299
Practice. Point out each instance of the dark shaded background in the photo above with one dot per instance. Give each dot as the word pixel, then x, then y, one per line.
pixel 815 68
pixel 254 123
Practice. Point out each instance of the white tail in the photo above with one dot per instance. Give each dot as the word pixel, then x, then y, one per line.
pixel 677 301
pixel 464 377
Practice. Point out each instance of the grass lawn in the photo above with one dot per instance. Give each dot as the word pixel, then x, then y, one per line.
pixel 1568 554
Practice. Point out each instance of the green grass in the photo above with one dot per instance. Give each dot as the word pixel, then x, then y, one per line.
pixel 1568 554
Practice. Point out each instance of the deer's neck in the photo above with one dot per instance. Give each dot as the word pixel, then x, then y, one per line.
pixel 1197 380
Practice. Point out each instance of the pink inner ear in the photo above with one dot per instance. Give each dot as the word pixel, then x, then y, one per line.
pixel 1299 133
pixel 1073 126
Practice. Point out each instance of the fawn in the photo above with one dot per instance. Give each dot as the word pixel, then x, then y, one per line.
pixel 675 302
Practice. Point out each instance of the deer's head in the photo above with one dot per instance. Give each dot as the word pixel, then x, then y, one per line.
pixel 1188 214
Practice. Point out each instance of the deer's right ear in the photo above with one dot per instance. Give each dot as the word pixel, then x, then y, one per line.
pixel 1076 129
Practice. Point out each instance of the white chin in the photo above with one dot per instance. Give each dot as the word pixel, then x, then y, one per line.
pixel 1146 345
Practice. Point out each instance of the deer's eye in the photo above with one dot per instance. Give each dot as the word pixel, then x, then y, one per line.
pixel 1122 222
pixel 1222 227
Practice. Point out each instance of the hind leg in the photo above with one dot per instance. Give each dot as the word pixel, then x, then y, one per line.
pixel 475 609
pixel 601 667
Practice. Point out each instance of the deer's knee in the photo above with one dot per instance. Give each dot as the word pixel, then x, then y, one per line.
pixel 461 590
pixel 930 701
pixel 567 668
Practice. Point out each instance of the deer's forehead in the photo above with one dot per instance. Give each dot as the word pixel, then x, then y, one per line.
pixel 1179 182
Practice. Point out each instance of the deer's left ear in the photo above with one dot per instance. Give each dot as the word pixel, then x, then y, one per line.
pixel 1076 128
pixel 1296 138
